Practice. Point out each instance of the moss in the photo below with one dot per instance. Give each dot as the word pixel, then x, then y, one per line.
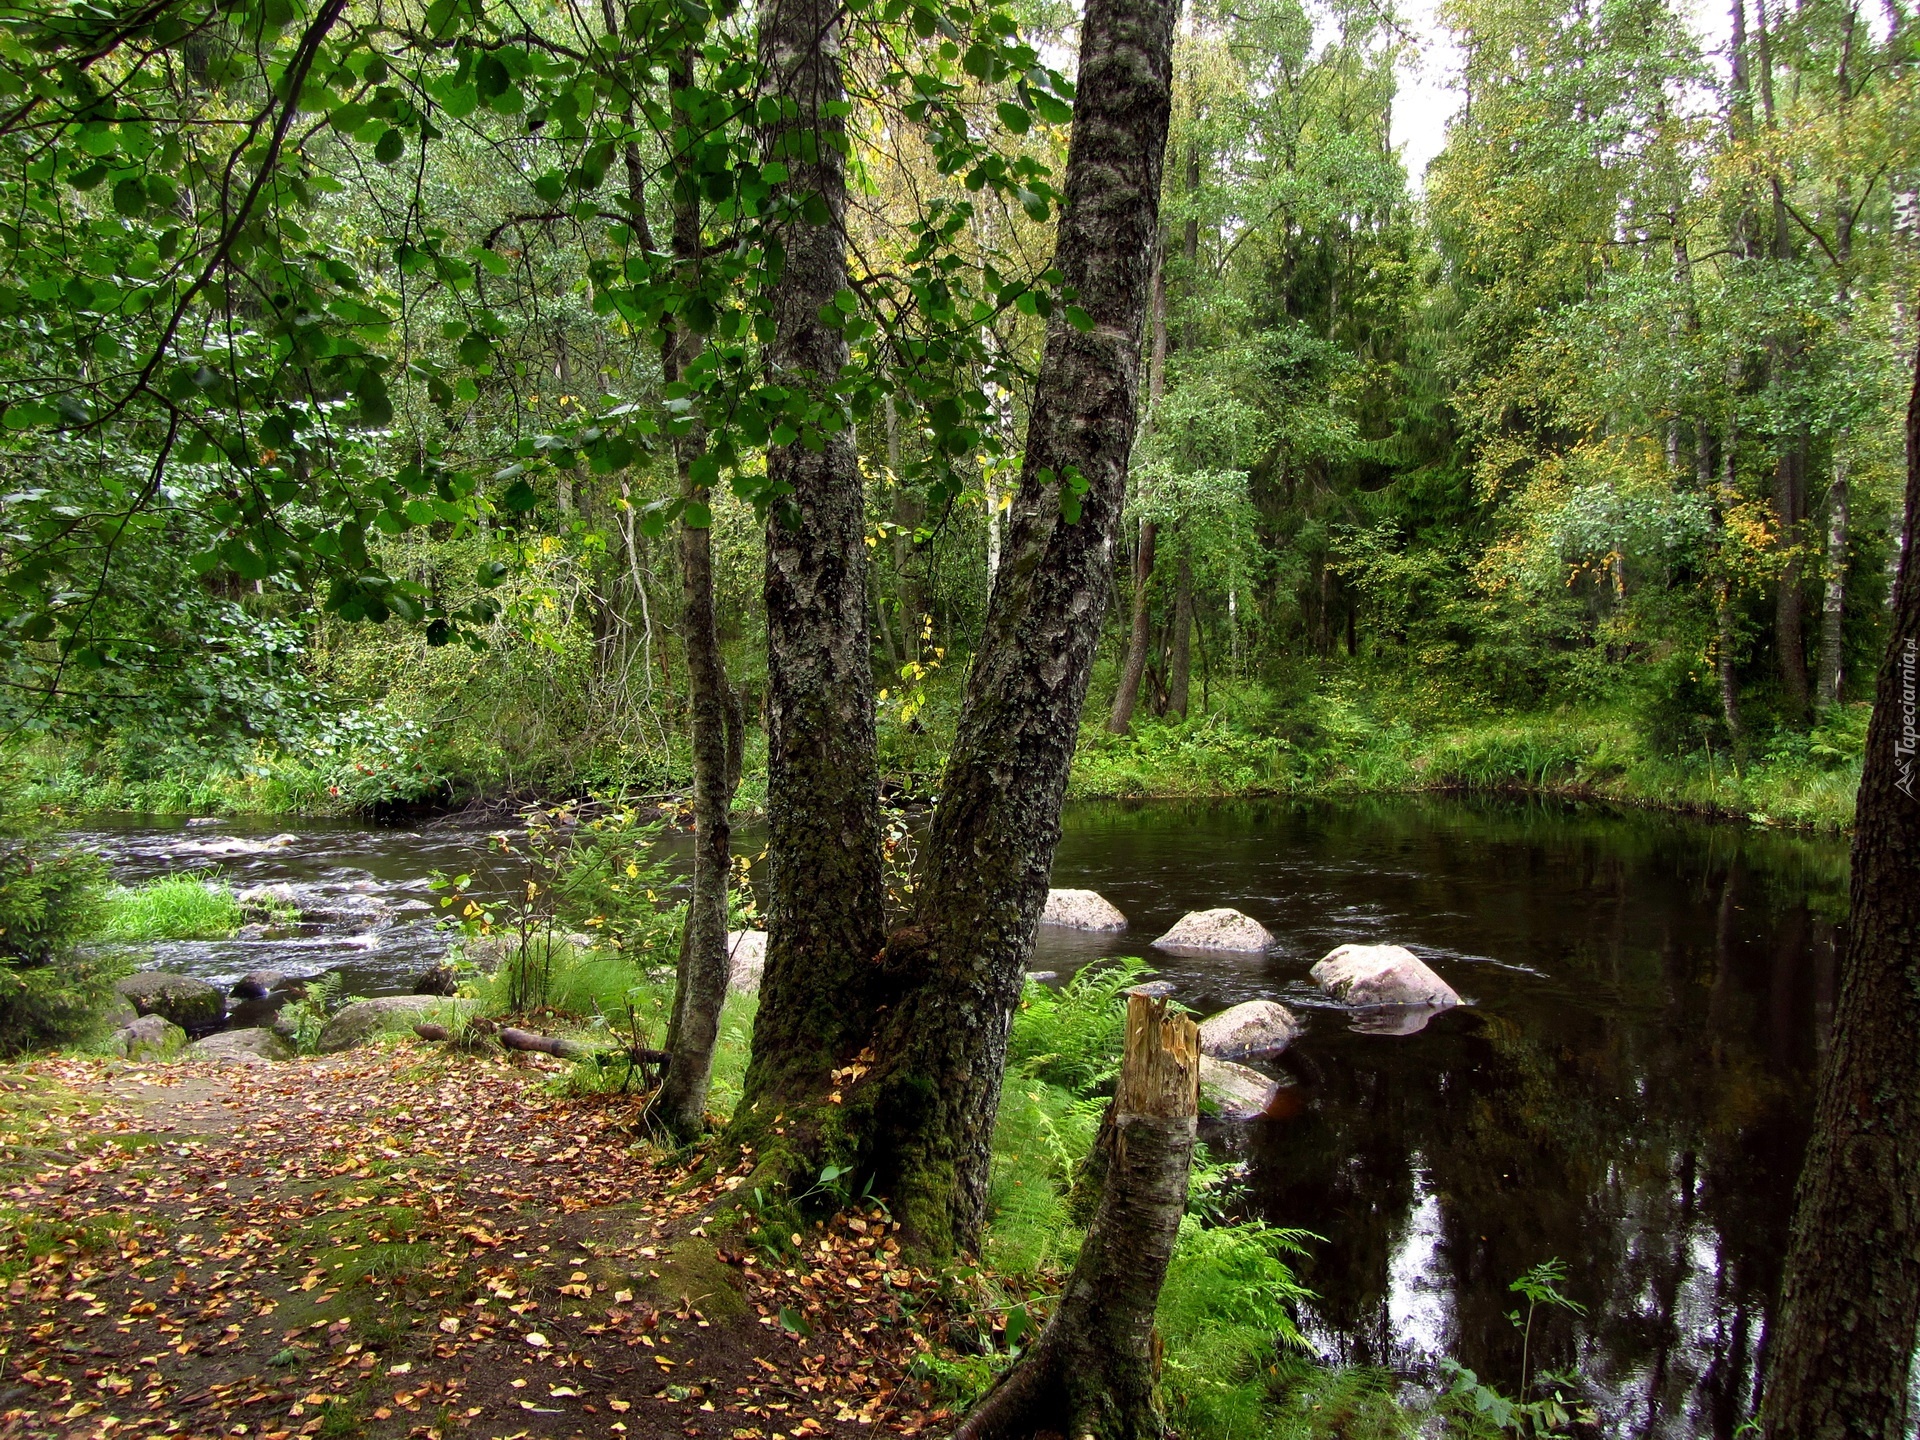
pixel 692 1273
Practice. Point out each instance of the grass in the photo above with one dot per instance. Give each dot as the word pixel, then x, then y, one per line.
pixel 173 907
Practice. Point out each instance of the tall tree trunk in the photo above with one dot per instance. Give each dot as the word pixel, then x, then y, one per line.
pixel 1850 1298
pixel 1789 603
pixel 1140 636
pixel 1833 606
pixel 1723 500
pixel 1094 1369
pixel 933 1091
pixel 1180 648
pixel 824 915
pixel 701 984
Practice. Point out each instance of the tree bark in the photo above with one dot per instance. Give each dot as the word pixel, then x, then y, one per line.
pixel 701 984
pixel 934 1088
pixel 1851 1294
pixel 1139 637
pixel 1093 1370
pixel 1180 648
pixel 824 915
pixel 1789 605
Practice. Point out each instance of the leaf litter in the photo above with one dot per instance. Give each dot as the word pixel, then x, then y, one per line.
pixel 388 1245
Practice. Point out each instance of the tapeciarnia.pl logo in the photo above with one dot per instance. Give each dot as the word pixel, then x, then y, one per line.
pixel 1907 743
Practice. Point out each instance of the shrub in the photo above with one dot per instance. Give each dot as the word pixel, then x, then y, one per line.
pixel 50 989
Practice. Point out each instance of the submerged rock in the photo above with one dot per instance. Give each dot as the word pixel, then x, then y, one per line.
pixel 1081 910
pixel 746 960
pixel 150 1037
pixel 1382 975
pixel 1235 1092
pixel 193 1005
pixel 1222 929
pixel 366 1020
pixel 257 984
pixel 255 1046
pixel 1257 1027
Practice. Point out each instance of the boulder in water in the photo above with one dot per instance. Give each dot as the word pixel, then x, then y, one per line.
pixel 1222 929
pixel 746 960
pixel 1235 1092
pixel 255 1046
pixel 1081 910
pixel 257 984
pixel 1382 975
pixel 193 1005
pixel 150 1037
pixel 366 1020
pixel 1257 1027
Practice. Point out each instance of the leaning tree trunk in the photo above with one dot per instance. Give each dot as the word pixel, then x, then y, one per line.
pixel 1093 1370
pixel 1851 1295
pixel 931 1096
pixel 824 915
pixel 701 988
pixel 1139 637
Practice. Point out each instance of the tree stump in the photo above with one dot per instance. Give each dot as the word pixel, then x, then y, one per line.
pixel 1092 1371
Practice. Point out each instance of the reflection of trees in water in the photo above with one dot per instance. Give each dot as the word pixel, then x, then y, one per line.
pixel 1647 1133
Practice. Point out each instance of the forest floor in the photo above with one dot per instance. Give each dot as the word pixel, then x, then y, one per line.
pixel 391 1244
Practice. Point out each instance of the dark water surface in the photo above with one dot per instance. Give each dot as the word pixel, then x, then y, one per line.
pixel 1628 1090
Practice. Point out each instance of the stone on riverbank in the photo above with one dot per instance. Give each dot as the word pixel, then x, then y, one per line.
pixel 1082 910
pixel 193 1005
pixel 441 980
pixel 1222 929
pixel 254 1046
pixel 746 960
pixel 1235 1092
pixel 150 1037
pixel 366 1020
pixel 1257 1027
pixel 1382 975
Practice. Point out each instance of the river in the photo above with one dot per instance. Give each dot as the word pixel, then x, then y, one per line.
pixel 1627 1091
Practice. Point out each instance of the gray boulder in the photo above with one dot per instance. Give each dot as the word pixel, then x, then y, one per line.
pixel 441 979
pixel 1234 1092
pixel 257 984
pixel 1222 929
pixel 118 1012
pixel 1258 1027
pixel 366 1020
pixel 746 960
pixel 150 1037
pixel 1382 975
pixel 241 1047
pixel 1081 910
pixel 193 1005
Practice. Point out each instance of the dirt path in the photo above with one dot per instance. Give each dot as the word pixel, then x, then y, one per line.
pixel 397 1243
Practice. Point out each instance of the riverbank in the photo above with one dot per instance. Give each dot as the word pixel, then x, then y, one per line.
pixel 1344 735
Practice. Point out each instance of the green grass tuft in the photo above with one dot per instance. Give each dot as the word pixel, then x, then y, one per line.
pixel 174 907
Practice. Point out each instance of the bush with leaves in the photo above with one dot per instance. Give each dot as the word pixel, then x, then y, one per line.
pixel 51 989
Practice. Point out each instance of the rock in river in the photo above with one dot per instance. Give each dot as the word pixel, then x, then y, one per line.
pixel 1081 910
pixel 1235 1092
pixel 151 1037
pixel 367 1020
pixel 257 984
pixel 1222 929
pixel 1258 1027
pixel 254 1046
pixel 195 1006
pixel 1382 975
pixel 746 959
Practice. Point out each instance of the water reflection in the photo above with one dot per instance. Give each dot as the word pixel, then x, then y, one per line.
pixel 1628 1091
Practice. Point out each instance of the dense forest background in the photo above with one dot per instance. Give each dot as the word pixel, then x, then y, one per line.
pixel 1577 465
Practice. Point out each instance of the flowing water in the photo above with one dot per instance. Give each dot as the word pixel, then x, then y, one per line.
pixel 1627 1090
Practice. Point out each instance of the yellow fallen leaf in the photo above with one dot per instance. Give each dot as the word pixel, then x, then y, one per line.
pixel 450 1324
pixel 535 1339
pixel 621 1405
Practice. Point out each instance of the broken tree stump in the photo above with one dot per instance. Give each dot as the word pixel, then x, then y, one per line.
pixel 1092 1371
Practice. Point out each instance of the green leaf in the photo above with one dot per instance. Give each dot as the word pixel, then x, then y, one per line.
pixel 519 498
pixel 491 573
pixel 390 147
pixel 793 1322
pixel 1035 206
pixel 1013 117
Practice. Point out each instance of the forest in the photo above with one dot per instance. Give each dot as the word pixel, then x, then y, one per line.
pixel 767 472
